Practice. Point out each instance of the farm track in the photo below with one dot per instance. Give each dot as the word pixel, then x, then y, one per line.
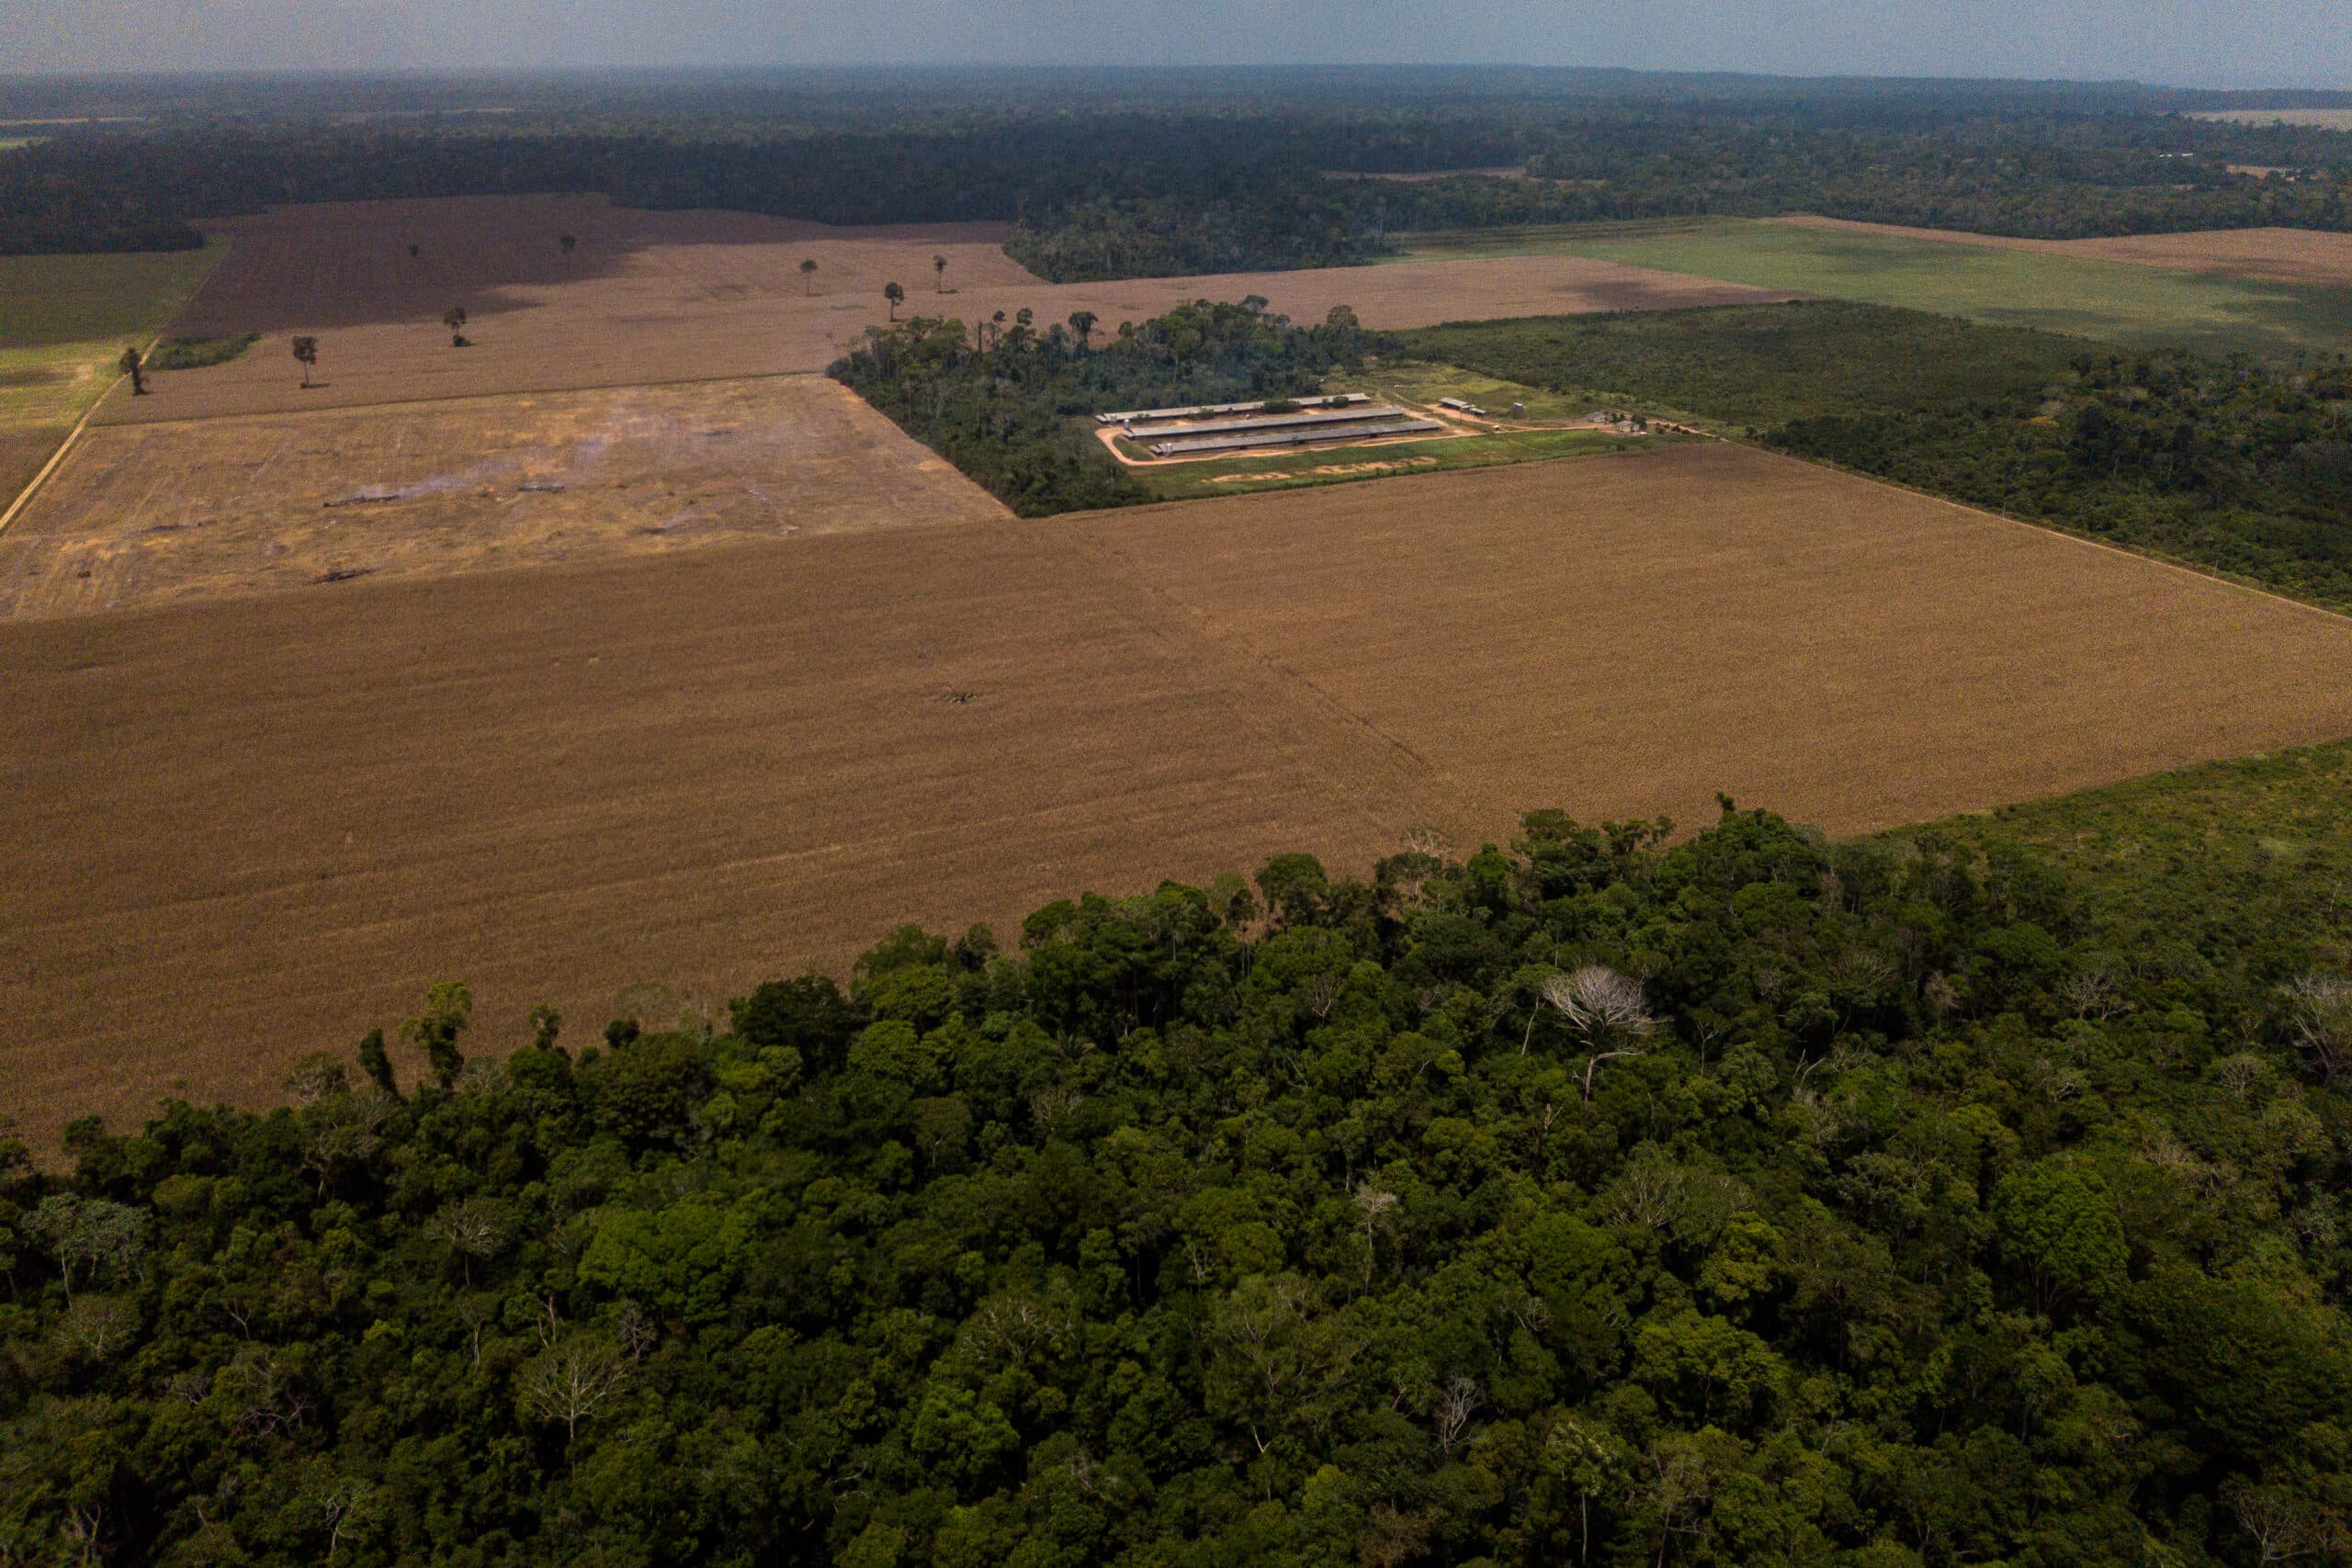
pixel 253 827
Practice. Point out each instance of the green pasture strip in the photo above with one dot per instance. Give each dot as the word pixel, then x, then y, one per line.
pixel 1425 381
pixel 1296 470
pixel 78 298
pixel 2130 303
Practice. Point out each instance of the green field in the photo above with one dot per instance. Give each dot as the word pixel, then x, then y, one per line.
pixel 2122 302
pixel 63 322
pixel 1425 381
pixel 1341 465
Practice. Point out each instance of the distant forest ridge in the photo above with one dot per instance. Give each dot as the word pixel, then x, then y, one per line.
pixel 1162 173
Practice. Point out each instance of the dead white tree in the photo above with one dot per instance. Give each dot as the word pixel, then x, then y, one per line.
pixel 472 1228
pixel 1606 1010
pixel 1456 1404
pixel 572 1380
pixel 2319 1021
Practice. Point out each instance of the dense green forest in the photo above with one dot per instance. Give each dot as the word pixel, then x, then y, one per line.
pixel 2241 467
pixel 1132 174
pixel 1004 400
pixel 1969 1195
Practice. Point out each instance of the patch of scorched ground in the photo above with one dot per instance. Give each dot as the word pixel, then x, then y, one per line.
pixel 147 514
pixel 652 297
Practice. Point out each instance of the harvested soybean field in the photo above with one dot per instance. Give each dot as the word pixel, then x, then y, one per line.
pixel 652 297
pixel 241 831
pixel 150 513
pixel 717 766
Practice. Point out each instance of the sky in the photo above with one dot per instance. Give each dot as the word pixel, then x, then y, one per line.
pixel 2206 43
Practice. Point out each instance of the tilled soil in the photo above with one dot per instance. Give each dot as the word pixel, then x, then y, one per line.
pixel 242 830
pixel 649 297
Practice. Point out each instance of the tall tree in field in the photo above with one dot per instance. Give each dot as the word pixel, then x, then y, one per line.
pixel 454 317
pixel 1082 324
pixel 306 351
pixel 568 241
pixel 808 277
pixel 134 366
pixel 896 296
pixel 939 274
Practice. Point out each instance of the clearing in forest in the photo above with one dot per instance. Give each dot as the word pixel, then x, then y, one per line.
pixel 200 509
pixel 648 296
pixel 722 766
pixel 2096 293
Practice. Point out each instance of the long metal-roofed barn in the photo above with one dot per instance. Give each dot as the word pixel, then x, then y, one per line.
pixel 1185 428
pixel 1149 416
pixel 1353 429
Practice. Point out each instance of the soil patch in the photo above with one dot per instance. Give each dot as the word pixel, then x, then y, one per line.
pixel 145 514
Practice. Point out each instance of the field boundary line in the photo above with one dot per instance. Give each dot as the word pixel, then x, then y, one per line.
pixel 2169 563
pixel 154 335
pixel 25 496
pixel 322 409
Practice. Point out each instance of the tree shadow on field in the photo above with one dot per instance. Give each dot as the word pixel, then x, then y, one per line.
pixel 333 265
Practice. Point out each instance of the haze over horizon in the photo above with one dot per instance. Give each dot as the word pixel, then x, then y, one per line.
pixel 2269 43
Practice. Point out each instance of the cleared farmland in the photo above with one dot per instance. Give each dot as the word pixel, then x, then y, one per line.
pixel 648 297
pixel 152 512
pixel 713 766
pixel 2283 255
pixel 2090 293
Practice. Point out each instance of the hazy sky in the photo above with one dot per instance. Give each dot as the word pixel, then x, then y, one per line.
pixel 2189 42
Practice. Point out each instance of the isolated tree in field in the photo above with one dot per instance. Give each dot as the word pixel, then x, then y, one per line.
pixel 568 241
pixel 135 367
pixel 306 350
pixel 938 275
pixel 808 277
pixel 896 296
pixel 454 317
pixel 1082 324
pixel 415 251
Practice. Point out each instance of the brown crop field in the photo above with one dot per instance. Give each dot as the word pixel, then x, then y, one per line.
pixel 199 509
pixel 2280 256
pixel 242 830
pixel 652 297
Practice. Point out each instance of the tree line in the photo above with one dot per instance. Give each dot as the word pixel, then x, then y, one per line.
pixel 1222 174
pixel 1598 1197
